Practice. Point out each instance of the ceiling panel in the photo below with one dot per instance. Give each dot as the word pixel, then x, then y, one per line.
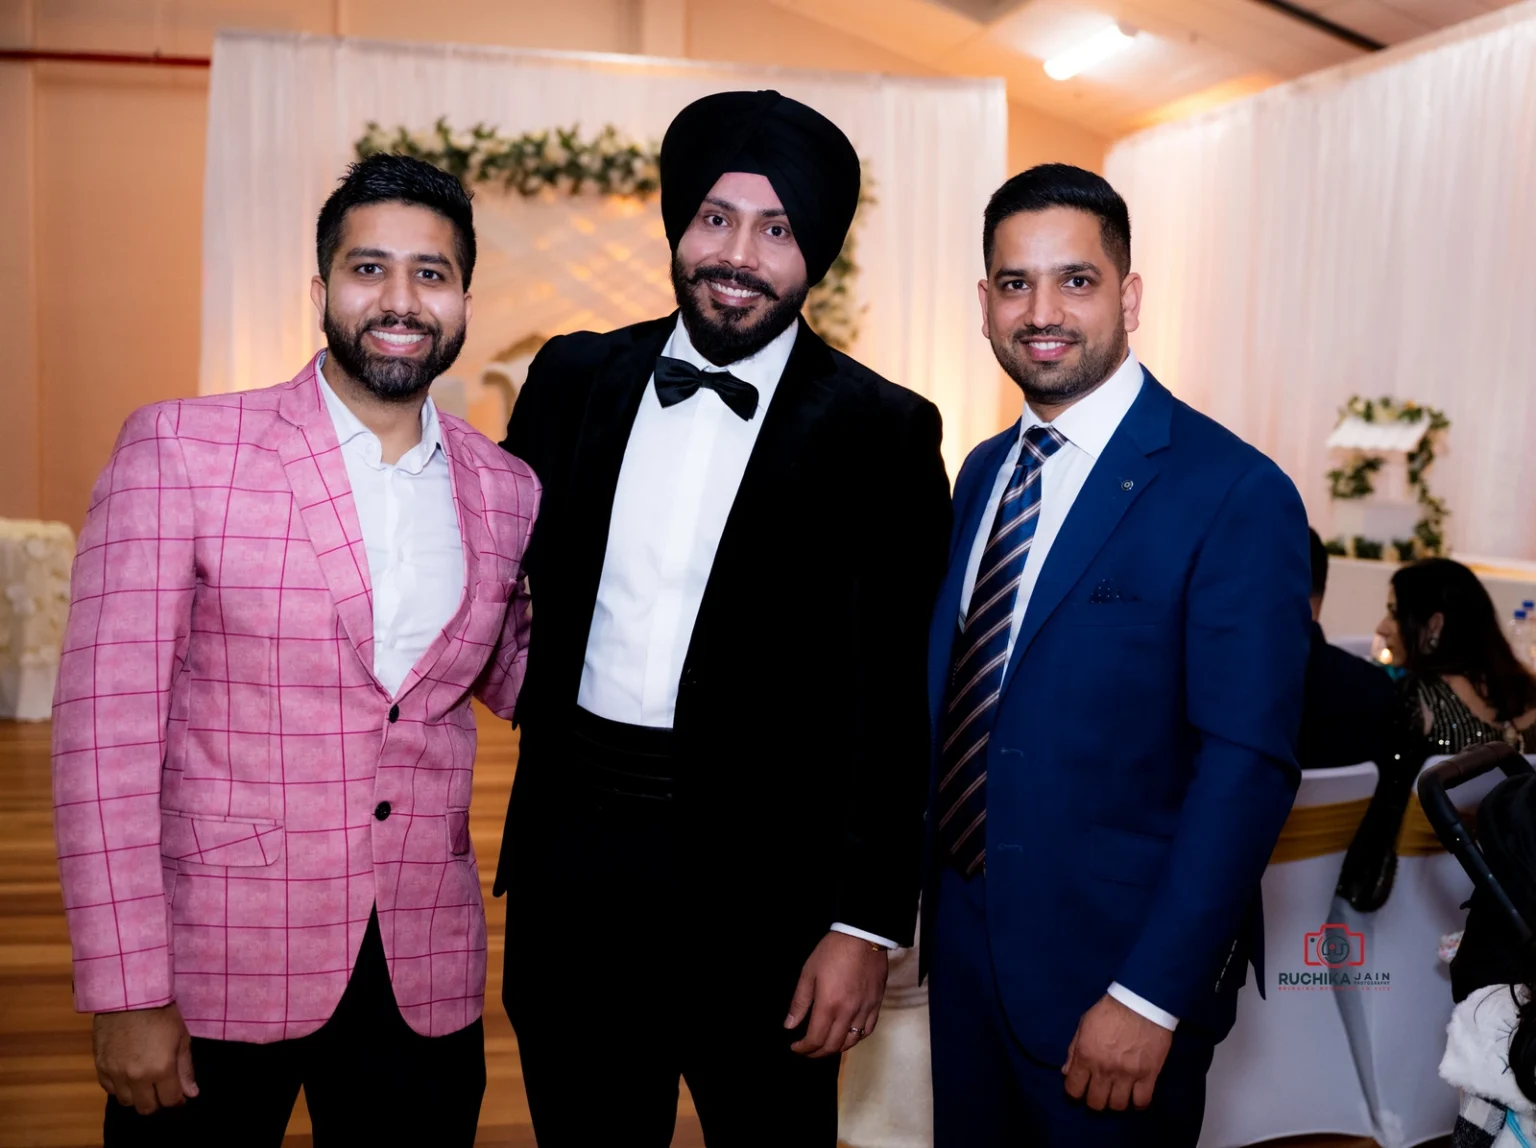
pixel 1188 54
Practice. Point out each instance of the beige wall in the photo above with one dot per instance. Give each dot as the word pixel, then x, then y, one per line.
pixel 101 191
pixel 1034 137
pixel 19 431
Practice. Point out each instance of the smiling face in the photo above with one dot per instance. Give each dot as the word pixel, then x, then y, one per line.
pixel 393 306
pixel 739 274
pixel 1054 306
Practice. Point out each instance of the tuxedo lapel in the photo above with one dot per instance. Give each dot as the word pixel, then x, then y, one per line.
pixel 312 461
pixel 609 417
pixel 1119 477
pixel 799 409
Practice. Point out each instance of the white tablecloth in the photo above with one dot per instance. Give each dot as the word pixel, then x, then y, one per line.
pixel 35 558
pixel 1399 1035
pixel 886 1099
pixel 1287 1068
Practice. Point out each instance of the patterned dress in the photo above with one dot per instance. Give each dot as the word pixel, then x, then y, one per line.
pixel 1452 726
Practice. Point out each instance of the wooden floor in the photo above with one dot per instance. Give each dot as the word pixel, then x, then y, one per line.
pixel 48 1090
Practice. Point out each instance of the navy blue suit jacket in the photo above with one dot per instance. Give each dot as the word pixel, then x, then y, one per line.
pixel 1143 757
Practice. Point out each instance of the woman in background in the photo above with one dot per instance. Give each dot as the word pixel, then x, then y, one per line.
pixel 1463 686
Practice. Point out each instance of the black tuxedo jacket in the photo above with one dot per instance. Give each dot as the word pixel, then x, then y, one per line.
pixel 801 717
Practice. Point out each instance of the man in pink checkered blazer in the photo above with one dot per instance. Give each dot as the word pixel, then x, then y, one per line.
pixel 283 602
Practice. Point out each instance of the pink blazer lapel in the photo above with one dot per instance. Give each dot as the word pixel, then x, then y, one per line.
pixel 313 463
pixel 469 501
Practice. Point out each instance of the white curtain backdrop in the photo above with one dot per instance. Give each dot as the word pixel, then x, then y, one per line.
pixel 284 112
pixel 1372 230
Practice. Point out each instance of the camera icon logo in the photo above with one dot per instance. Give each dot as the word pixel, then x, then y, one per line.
pixel 1335 946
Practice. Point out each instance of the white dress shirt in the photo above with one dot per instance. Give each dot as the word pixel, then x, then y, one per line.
pixel 681 471
pixel 679 478
pixel 1087 425
pixel 410 527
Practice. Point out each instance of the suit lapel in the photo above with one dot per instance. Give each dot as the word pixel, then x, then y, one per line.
pixel 608 417
pixel 1119 477
pixel 800 406
pixel 313 464
pixel 968 511
pixel 474 538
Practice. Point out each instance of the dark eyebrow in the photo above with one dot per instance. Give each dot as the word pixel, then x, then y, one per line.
pixel 727 205
pixel 379 253
pixel 1063 269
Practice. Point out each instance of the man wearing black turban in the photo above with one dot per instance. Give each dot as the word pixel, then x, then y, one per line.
pixel 715 831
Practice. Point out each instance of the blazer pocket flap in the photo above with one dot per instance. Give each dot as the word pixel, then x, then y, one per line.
pixel 458 831
pixel 1126 857
pixel 206 840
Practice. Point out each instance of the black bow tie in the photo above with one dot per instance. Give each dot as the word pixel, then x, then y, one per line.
pixel 677 380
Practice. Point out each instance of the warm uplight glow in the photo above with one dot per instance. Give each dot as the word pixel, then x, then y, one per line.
pixel 1385 657
pixel 1103 44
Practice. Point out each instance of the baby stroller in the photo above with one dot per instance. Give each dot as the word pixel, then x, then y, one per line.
pixel 1491 1040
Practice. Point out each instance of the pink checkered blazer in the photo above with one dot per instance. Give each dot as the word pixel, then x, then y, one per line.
pixel 220 744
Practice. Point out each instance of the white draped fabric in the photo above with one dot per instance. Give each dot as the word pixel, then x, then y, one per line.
pixel 284 112
pixel 35 560
pixel 1370 229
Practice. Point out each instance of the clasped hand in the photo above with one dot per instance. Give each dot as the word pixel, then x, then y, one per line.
pixel 144 1057
pixel 841 987
pixel 1115 1058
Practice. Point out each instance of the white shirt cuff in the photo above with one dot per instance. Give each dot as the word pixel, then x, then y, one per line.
pixel 884 942
pixel 1140 1005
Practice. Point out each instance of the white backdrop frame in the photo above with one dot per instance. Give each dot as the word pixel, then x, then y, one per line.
pixel 285 111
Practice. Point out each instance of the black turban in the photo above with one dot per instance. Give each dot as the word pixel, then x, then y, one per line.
pixel 805 156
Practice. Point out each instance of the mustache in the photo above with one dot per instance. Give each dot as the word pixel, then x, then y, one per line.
pixel 733 275
pixel 389 321
pixel 1054 331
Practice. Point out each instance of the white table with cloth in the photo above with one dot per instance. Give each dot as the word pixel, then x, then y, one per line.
pixel 35 559
pixel 1399 1034
pixel 886 1094
pixel 1287 1068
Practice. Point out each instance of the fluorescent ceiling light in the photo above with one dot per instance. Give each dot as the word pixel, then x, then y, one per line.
pixel 1107 42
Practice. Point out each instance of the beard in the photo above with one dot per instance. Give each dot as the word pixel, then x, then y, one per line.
pixel 1054 384
pixel 395 380
pixel 726 335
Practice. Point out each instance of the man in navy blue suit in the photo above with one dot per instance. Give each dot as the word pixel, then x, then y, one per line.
pixel 1115 678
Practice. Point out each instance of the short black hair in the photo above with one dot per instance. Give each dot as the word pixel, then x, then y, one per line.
pixel 385 178
pixel 1319 564
pixel 1062 185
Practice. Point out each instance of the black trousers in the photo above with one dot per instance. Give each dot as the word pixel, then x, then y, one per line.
pixel 368 1078
pixel 615 984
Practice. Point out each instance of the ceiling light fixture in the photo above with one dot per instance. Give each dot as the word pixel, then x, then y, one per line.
pixel 1107 42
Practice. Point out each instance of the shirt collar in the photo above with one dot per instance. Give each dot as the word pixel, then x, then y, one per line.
pixel 1091 422
pixel 763 370
pixel 349 426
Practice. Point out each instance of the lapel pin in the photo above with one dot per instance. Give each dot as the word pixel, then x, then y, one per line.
pixel 1127 484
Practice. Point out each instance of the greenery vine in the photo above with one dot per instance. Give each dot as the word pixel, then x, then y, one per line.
pixel 1353 480
pixel 563 161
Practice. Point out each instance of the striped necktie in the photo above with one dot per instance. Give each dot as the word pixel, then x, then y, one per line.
pixel 980 658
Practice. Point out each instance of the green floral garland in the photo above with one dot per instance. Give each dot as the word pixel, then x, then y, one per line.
pixel 609 163
pixel 1354 481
